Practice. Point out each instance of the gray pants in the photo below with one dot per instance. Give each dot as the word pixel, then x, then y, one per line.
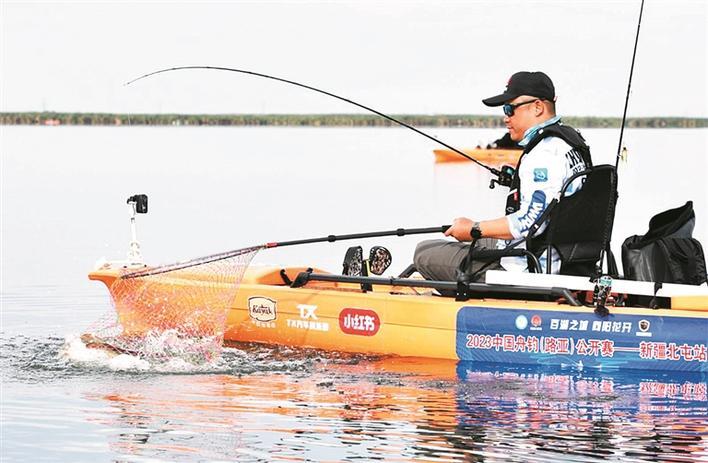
pixel 441 259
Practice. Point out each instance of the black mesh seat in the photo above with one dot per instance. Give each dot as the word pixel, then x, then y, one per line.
pixel 579 226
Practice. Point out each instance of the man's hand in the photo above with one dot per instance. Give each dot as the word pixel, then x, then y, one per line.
pixel 460 229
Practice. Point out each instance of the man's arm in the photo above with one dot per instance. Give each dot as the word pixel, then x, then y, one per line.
pixel 496 228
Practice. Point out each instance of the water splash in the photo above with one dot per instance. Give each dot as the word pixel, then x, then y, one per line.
pixel 94 356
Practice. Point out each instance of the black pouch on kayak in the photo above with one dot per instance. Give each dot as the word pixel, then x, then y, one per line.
pixel 667 253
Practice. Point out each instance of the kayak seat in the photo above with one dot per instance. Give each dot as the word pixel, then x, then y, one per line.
pixel 578 226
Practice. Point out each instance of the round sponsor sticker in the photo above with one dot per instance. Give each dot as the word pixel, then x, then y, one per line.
pixel 536 320
pixel 521 322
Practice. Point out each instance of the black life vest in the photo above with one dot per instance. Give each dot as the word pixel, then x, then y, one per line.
pixel 566 133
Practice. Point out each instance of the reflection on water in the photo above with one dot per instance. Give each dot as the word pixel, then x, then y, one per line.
pixel 618 415
pixel 278 404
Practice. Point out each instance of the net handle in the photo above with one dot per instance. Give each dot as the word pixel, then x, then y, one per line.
pixel 354 236
pixel 237 252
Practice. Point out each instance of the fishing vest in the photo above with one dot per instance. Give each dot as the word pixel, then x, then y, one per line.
pixel 565 133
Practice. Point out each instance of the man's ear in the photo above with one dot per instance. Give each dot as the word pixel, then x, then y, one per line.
pixel 543 107
pixel 539 108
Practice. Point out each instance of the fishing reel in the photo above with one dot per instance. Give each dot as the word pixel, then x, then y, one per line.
pixel 504 176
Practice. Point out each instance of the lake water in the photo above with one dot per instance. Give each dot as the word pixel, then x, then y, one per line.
pixel 215 189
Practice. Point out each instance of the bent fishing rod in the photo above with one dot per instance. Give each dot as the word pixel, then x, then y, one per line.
pixel 503 176
pixel 629 86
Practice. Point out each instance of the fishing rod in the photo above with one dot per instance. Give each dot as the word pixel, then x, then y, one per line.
pixel 611 268
pixel 629 86
pixel 503 176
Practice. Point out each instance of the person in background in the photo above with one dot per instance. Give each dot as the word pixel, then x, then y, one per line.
pixel 504 142
pixel 552 152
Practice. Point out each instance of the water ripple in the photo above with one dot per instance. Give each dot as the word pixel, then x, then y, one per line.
pixel 261 403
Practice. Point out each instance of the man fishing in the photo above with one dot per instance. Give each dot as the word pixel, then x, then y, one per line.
pixel 553 152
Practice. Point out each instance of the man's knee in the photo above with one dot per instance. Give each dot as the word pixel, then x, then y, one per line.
pixel 424 250
pixel 427 245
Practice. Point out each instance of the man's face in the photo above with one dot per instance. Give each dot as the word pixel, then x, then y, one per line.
pixel 524 117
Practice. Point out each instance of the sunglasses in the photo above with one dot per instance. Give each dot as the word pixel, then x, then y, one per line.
pixel 509 108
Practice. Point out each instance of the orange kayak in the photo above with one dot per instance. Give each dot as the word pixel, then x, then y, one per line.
pixel 335 314
pixel 491 156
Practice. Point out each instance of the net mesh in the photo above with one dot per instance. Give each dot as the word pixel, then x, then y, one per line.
pixel 173 311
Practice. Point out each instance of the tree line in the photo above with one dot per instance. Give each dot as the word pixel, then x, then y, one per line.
pixel 323 120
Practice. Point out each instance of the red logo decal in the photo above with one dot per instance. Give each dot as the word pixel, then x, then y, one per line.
pixel 363 322
pixel 536 320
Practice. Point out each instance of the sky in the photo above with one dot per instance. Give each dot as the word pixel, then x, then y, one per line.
pixel 412 57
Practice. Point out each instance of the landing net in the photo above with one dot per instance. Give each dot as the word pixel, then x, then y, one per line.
pixel 173 311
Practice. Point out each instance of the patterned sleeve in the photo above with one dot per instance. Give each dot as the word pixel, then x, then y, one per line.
pixel 542 173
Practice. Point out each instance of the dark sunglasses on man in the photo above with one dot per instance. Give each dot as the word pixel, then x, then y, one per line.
pixel 509 108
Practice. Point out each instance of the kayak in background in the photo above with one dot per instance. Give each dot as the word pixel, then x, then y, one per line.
pixel 487 155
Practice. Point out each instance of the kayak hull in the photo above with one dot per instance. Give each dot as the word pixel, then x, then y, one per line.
pixel 402 322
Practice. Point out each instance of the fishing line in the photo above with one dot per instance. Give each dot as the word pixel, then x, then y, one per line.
pixel 324 92
pixel 629 86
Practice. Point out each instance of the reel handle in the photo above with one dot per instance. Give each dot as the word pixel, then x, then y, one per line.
pixel 504 176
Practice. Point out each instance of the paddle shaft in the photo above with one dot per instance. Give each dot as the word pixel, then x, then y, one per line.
pixel 354 236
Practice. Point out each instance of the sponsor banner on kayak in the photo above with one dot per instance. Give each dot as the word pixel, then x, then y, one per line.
pixel 308 319
pixel 362 322
pixel 582 339
pixel 263 311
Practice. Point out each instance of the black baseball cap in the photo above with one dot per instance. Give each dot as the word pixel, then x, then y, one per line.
pixel 535 84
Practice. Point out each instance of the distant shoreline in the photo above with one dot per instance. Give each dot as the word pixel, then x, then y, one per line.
pixel 325 120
